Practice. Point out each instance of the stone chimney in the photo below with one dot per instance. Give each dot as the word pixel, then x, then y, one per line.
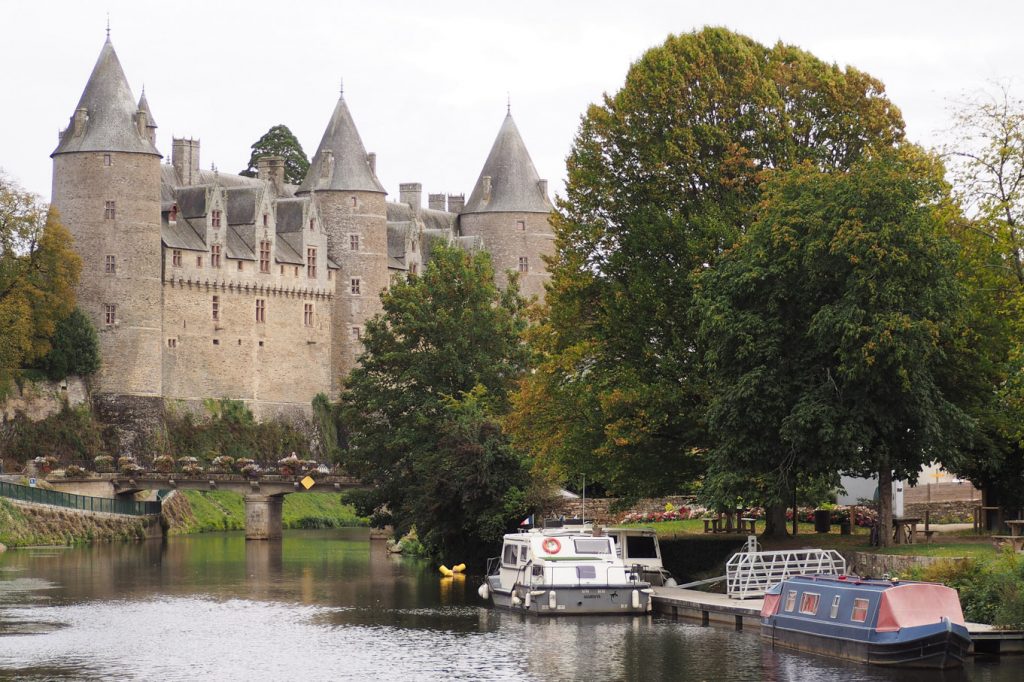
pixel 185 159
pixel 435 202
pixel 487 187
pixel 371 159
pixel 456 202
pixel 543 185
pixel 79 120
pixel 411 193
pixel 271 169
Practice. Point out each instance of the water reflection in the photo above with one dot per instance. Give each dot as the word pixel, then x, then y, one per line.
pixel 331 605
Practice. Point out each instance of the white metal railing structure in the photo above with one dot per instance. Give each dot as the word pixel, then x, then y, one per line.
pixel 750 574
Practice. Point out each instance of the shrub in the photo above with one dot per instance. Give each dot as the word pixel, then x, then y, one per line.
pixel 290 465
pixel 104 464
pixel 222 464
pixel 250 470
pixel 75 348
pixel 127 465
pixel 163 464
pixel 45 464
pixel 74 471
pixel 190 465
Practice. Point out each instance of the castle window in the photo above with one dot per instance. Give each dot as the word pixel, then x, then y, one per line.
pixel 216 342
pixel 311 262
pixel 215 308
pixel 108 210
pixel 521 225
pixel 311 225
pixel 353 202
pixel 412 246
pixel 110 265
pixel 176 258
pixel 524 264
pixel 330 275
pixel 109 313
pixel 282 269
pixel 354 286
pixel 413 268
pixel 173 217
pixel 215 255
pixel 264 256
pixel 296 273
pixel 353 242
pixel 261 310
pixel 266 219
pixel 356 333
pixel 241 266
pixel 172 343
pixel 214 218
pixel 107 161
pixel 199 261
pixel 307 315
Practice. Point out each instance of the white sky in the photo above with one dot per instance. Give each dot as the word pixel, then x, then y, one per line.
pixel 426 81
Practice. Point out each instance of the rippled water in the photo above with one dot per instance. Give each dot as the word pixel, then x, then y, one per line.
pixel 329 605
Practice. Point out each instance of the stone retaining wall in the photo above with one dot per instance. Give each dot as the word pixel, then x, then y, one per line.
pixel 877 565
pixel 37 400
pixel 600 509
pixel 939 512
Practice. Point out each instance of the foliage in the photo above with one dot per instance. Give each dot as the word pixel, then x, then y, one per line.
pixel 420 407
pixel 831 330
pixel 38 273
pixel 103 464
pixel 986 166
pixel 205 511
pixel 222 464
pixel 38 525
pixel 163 464
pixel 279 141
pixel 663 176
pixel 229 429
pixel 75 349
pixel 70 434
pixel 329 427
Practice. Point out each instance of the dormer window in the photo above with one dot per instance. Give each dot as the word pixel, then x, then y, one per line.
pixel 266 219
pixel 215 255
pixel 310 225
pixel 214 218
pixel 264 256
pixel 173 217
pixel 311 262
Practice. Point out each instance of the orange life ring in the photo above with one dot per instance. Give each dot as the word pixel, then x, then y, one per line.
pixel 552 546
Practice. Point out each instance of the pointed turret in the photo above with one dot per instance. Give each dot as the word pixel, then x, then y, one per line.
pixel 150 121
pixel 341 162
pixel 106 118
pixel 509 182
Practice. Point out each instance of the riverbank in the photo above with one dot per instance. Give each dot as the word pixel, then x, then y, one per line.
pixel 195 511
pixel 23 525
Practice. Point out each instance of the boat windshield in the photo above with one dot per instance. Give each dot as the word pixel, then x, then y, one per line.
pixel 592 546
pixel 641 547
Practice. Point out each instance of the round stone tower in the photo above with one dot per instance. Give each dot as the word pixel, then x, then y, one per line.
pixel 106 186
pixel 509 210
pixel 342 182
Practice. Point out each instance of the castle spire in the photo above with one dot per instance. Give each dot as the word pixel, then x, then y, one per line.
pixel 340 162
pixel 509 181
pixel 105 118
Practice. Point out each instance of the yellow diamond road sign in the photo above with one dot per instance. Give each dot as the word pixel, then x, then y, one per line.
pixel 307 482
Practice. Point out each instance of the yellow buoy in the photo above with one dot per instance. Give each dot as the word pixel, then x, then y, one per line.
pixel 445 571
pixel 459 568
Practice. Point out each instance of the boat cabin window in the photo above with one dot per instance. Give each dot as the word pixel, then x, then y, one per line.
pixel 860 610
pixel 592 546
pixel 586 572
pixel 641 547
pixel 835 607
pixel 510 554
pixel 538 571
pixel 790 600
pixel 809 603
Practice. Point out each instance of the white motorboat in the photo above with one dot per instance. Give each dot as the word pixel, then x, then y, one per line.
pixel 564 571
pixel 639 548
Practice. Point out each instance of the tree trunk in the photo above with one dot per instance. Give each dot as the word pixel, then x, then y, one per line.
pixel 775 520
pixel 885 507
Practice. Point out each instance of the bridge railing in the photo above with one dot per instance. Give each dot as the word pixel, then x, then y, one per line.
pixel 72 501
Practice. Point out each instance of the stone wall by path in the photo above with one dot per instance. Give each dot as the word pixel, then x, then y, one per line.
pixel 877 565
pixel 37 400
pixel 601 509
pixel 943 512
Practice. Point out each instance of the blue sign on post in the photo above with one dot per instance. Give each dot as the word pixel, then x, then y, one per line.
pixel 31 483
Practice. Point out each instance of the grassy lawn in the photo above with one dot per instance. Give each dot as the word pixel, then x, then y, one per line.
pixel 217 510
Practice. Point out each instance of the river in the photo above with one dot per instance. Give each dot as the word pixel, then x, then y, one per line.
pixel 330 605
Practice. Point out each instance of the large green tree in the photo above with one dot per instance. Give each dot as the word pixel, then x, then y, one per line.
pixel 279 141
pixel 421 406
pixel 75 348
pixel 38 273
pixel 834 331
pixel 663 176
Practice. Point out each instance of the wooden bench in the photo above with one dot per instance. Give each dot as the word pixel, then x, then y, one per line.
pixel 928 535
pixel 713 526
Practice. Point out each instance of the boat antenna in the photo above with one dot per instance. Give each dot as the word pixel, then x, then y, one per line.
pixel 584 512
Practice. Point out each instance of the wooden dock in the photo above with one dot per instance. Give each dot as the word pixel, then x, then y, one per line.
pixel 710 607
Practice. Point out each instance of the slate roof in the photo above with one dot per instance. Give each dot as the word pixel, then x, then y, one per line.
pixel 181 235
pixel 235 246
pixel 111 110
pixel 515 185
pixel 288 247
pixel 242 205
pixel 191 201
pixel 289 215
pixel 351 170
pixel 397 235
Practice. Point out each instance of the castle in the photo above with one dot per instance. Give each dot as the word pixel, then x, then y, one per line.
pixel 209 285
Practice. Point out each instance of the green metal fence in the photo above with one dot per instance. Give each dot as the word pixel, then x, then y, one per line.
pixel 72 501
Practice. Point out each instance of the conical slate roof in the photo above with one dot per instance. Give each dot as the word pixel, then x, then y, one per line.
pixel 111 108
pixel 348 168
pixel 144 106
pixel 515 185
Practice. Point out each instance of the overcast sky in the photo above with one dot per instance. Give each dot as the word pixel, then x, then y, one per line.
pixel 427 81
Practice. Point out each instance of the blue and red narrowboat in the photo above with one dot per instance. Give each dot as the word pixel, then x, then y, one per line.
pixel 885 622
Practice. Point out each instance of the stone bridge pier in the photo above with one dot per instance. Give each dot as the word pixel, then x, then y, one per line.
pixel 263 516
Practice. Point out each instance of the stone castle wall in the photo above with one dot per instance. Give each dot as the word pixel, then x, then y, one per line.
pixel 507 243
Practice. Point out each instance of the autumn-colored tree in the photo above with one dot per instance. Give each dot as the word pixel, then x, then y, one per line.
pixel 834 331
pixel 280 141
pixel 664 175
pixel 38 274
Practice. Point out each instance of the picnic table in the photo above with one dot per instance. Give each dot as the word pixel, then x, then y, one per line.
pixel 723 523
pixel 1016 536
pixel 905 529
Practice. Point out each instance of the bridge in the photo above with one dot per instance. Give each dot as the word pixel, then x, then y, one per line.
pixel 263 496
